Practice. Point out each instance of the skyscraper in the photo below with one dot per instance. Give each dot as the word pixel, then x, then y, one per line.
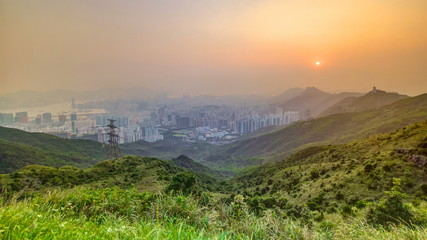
pixel 47 117
pixel 73 103
pixel 6 118
pixel 21 117
pixel 73 117
pixel 62 118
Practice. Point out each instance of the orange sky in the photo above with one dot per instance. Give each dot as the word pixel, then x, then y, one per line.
pixel 214 47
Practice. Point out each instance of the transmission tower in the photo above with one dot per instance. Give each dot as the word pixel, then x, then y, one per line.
pixel 113 151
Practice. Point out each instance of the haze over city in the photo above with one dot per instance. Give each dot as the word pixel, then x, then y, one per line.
pixel 214 47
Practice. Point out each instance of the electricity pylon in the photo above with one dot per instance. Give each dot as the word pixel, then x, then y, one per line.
pixel 113 151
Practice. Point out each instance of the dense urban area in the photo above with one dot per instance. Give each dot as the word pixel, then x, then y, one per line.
pixel 216 124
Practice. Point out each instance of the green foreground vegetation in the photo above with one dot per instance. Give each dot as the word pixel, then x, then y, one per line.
pixel 113 213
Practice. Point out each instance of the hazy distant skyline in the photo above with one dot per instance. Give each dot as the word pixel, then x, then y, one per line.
pixel 214 47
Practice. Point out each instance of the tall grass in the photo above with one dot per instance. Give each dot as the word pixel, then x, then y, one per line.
pixel 114 213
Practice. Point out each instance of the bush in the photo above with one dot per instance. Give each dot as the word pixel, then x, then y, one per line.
pixel 424 188
pixel 314 174
pixel 347 210
pixel 239 207
pixel 360 204
pixel 183 182
pixel 391 210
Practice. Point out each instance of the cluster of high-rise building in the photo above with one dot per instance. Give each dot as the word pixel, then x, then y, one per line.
pixel 120 121
pixel 22 118
pixel 240 120
pixel 254 122
pixel 131 133
pixel 46 122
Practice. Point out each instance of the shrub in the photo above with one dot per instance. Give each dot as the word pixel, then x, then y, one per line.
pixel 314 174
pixel 370 167
pixel 239 207
pixel 313 206
pixel 424 188
pixel 183 182
pixel 391 210
pixel 339 196
pixel 360 204
pixel 347 210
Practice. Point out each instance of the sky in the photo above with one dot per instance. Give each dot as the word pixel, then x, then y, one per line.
pixel 216 47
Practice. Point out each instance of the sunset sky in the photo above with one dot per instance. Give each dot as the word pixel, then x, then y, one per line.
pixel 214 47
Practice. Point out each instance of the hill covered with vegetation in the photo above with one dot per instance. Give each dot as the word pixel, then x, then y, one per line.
pixel 330 176
pixel 373 188
pixel 19 149
pixel 145 174
pixel 168 149
pixel 332 129
pixel 312 101
pixel 185 162
pixel 374 99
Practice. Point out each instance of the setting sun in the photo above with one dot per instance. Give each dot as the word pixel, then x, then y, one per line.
pixel 317 63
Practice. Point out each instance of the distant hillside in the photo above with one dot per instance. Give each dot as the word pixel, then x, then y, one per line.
pixel 312 101
pixel 285 96
pixel 374 99
pixel 185 162
pixel 322 176
pixel 167 149
pixel 147 174
pixel 338 128
pixel 19 148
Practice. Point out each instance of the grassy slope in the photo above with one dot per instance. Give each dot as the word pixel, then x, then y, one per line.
pixel 116 214
pixel 147 174
pixel 51 143
pixel 337 128
pixel 360 169
pixel 14 156
pixel 19 148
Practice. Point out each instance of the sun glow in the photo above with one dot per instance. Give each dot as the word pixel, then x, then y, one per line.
pixel 317 63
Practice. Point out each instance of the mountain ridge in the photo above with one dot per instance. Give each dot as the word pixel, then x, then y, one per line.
pixel 312 101
pixel 338 128
pixel 373 99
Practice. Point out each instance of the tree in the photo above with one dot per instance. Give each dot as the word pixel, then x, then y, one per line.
pixel 183 182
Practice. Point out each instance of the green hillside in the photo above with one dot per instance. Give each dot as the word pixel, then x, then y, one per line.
pixel 374 99
pixel 146 174
pixel 19 148
pixel 337 128
pixel 168 149
pixel 51 143
pixel 185 162
pixel 14 156
pixel 333 175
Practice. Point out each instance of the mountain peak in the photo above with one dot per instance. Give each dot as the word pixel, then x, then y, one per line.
pixel 312 89
pixel 182 157
pixel 374 99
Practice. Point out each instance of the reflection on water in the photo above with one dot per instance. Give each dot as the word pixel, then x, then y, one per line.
pixel 55 109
